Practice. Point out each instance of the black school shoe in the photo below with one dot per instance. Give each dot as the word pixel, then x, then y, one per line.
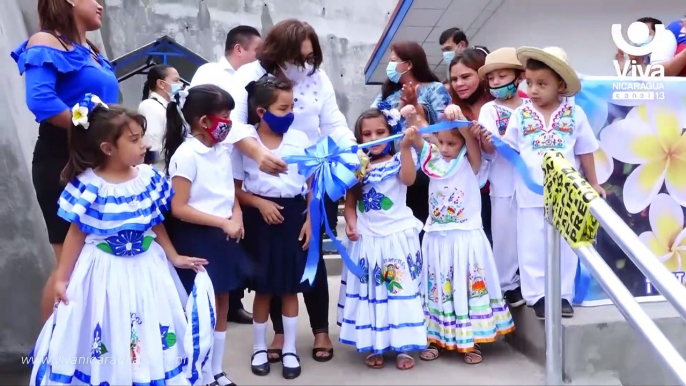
pixel 539 309
pixel 241 316
pixel 514 298
pixel 567 309
pixel 216 380
pixel 262 369
pixel 291 372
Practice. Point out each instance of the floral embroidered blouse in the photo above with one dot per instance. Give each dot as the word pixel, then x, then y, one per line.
pixel 382 210
pixel 494 118
pixel 568 131
pixel 454 197
pixel 117 218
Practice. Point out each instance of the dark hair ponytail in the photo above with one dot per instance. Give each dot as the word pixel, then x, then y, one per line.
pixel 263 93
pixel 105 125
pixel 206 99
pixel 158 72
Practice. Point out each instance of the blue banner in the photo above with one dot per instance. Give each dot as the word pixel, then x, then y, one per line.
pixel 641 163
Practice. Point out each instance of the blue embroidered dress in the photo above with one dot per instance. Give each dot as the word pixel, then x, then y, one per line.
pixel 382 310
pixel 125 322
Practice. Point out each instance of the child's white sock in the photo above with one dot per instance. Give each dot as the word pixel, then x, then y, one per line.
pixel 218 356
pixel 260 343
pixel 290 329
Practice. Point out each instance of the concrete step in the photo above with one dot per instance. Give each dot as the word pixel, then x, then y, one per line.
pixel 599 343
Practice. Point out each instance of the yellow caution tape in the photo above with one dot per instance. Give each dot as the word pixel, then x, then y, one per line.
pixel 569 196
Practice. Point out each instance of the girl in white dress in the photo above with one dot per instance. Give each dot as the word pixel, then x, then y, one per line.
pixel 381 311
pixel 460 286
pixel 118 318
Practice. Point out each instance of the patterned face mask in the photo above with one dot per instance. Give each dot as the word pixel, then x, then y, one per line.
pixel 219 130
pixel 505 92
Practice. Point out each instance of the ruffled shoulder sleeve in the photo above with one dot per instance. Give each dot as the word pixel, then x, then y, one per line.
pixel 388 169
pixel 102 208
pixel 62 61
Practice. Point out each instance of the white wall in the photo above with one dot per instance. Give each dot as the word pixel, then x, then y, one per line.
pixel 580 27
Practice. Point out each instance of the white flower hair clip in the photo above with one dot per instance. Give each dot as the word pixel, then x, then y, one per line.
pixel 80 113
pixel 180 98
pixel 393 117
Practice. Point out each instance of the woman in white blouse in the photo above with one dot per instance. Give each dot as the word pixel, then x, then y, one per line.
pixel 291 50
pixel 163 82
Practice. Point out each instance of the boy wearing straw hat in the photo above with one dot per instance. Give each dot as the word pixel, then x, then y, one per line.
pixel 548 122
pixel 504 72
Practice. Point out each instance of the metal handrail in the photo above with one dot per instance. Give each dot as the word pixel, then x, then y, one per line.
pixel 655 271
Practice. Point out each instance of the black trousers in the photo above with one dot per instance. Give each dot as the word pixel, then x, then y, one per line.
pixel 486 215
pixel 236 300
pixel 317 298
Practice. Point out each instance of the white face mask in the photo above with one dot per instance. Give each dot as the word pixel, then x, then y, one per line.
pixel 296 73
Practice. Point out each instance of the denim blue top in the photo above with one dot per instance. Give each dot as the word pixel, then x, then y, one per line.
pixel 56 80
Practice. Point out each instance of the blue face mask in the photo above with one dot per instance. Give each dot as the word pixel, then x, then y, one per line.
pixel 392 72
pixel 448 57
pixel 384 152
pixel 277 124
pixel 175 87
pixel 505 92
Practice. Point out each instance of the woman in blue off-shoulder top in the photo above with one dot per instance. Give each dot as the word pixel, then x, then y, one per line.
pixel 60 66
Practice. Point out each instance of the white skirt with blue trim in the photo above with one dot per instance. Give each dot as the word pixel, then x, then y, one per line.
pixel 382 311
pixel 125 324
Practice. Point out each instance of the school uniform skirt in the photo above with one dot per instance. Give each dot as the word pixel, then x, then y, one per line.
pixel 228 266
pixel 274 250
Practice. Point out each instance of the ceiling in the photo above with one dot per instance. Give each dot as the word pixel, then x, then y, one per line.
pixel 423 21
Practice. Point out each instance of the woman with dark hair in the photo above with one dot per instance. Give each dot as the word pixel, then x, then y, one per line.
pixel 470 93
pixel 291 51
pixel 60 67
pixel 162 83
pixel 411 82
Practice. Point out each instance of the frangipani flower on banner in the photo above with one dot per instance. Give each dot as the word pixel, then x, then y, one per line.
pixel 649 136
pixel 667 240
pixel 604 165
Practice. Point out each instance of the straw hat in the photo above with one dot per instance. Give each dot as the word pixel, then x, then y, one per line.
pixel 502 58
pixel 555 58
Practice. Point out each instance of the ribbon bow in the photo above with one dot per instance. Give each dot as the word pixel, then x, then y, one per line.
pixel 333 172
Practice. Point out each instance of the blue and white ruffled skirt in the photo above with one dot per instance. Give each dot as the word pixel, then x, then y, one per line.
pixel 126 324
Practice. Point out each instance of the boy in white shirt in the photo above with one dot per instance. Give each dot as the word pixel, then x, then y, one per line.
pixel 548 122
pixel 504 73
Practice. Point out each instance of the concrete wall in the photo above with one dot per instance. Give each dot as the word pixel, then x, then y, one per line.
pixel 348 32
pixel 25 255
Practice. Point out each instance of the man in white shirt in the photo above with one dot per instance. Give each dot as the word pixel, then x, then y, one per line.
pixel 241 44
pixel 240 47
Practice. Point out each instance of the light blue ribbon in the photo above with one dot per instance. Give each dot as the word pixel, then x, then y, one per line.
pixel 582 282
pixel 435 128
pixel 333 172
pixel 516 160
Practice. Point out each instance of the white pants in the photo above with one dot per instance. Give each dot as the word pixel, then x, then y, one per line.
pixel 504 230
pixel 532 255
